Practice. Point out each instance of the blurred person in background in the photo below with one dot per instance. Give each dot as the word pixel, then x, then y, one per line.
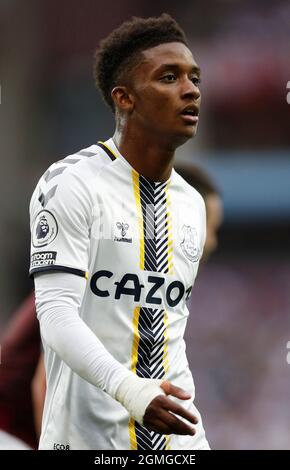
pixel 20 352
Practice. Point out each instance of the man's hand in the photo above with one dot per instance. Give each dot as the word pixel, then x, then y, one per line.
pixel 159 415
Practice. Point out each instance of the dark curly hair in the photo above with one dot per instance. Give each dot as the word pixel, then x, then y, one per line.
pixel 121 50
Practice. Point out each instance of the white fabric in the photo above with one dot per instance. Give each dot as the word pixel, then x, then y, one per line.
pixel 58 297
pixel 86 218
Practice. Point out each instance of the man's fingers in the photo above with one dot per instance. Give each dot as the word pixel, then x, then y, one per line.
pixel 174 425
pixel 167 423
pixel 158 426
pixel 162 415
pixel 177 392
pixel 173 407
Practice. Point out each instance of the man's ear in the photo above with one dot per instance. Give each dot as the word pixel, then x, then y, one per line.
pixel 123 100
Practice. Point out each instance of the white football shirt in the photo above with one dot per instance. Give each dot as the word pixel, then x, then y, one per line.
pixel 138 243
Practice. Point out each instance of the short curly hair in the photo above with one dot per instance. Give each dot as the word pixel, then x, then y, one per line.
pixel 121 50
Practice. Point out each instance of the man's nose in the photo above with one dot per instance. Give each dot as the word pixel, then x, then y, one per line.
pixel 189 89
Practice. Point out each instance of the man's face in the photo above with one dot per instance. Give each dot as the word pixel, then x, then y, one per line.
pixel 166 92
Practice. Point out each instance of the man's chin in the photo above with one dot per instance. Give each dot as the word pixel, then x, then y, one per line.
pixel 193 130
pixel 181 136
pixel 188 133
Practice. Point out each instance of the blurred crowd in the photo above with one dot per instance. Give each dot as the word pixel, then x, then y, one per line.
pixel 237 348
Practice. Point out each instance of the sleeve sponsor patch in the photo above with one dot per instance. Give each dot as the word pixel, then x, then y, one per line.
pixel 44 258
pixel 44 229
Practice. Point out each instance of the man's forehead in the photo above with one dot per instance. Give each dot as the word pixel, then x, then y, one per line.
pixel 168 53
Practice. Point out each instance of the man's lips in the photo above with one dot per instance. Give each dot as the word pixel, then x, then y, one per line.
pixel 190 114
pixel 189 118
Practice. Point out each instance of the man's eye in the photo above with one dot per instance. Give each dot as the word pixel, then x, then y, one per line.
pixel 196 81
pixel 170 77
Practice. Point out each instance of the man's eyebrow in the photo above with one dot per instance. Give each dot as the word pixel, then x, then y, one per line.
pixel 194 68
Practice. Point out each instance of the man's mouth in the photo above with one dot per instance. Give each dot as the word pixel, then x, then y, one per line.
pixel 190 114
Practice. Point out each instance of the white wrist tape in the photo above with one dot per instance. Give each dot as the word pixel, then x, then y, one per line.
pixel 135 394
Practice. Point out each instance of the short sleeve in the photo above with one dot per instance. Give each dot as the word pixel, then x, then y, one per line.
pixel 60 221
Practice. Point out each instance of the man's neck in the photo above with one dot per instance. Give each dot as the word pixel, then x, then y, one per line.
pixel 149 158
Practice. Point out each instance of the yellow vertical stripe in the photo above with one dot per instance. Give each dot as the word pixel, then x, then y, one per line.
pixel 165 344
pixel 136 187
pixel 170 271
pixel 132 434
pixel 136 339
pixel 166 363
pixel 169 230
pixel 134 361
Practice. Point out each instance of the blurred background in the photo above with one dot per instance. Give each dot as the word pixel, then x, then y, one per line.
pixel 240 308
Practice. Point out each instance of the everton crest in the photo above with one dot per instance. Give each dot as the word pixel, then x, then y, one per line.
pixel 189 244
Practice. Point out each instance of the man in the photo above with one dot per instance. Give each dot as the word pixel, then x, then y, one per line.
pixel 124 236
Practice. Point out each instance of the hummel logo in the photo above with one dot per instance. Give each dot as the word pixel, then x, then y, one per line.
pixel 123 227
